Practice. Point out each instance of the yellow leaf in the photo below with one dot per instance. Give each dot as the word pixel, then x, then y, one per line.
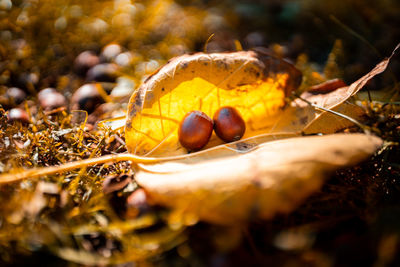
pixel 205 82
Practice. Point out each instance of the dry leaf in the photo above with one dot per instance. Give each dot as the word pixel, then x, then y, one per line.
pixel 301 117
pixel 327 122
pixel 253 83
pixel 254 176
pixel 274 178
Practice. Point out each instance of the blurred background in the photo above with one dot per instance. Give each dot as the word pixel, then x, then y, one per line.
pixel 66 44
pixel 41 39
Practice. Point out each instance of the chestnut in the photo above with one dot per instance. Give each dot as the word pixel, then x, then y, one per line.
pixel 84 61
pixel 110 52
pixel 195 130
pixel 17 114
pixel 15 96
pixel 228 124
pixel 50 99
pixel 105 72
pixel 87 97
pixel 137 204
pixel 115 183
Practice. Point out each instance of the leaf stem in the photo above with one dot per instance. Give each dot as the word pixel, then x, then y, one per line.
pixel 37 172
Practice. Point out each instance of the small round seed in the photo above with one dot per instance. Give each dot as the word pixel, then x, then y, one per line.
pixel 228 124
pixel 17 114
pixel 87 97
pixel 195 130
pixel 50 99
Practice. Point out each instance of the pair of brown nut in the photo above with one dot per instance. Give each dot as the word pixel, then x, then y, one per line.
pixel 196 127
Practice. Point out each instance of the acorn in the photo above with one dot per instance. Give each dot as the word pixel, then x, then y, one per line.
pixel 137 204
pixel 195 130
pixel 124 59
pixel 50 99
pixel 106 72
pixel 17 114
pixel 110 52
pixel 84 61
pixel 15 96
pixel 327 86
pixel 113 188
pixel 228 124
pixel 87 97
pixel 115 183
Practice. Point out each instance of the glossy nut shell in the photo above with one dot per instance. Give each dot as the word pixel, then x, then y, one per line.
pixel 195 130
pixel 228 124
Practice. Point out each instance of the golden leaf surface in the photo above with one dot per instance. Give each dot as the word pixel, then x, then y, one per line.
pixel 206 82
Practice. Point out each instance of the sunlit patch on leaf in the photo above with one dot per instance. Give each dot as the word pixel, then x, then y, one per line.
pixel 155 128
pixel 155 113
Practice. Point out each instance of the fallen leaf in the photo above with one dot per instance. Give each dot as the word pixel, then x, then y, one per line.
pixel 252 82
pixel 300 116
pixel 255 84
pixel 256 176
pixel 327 122
pixel 274 178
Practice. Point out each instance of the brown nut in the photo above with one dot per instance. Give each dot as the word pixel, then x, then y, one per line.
pixel 15 96
pixel 195 130
pixel 84 61
pixel 87 97
pixel 17 114
pixel 106 72
pixel 228 124
pixel 110 52
pixel 50 99
pixel 115 183
pixel 137 204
